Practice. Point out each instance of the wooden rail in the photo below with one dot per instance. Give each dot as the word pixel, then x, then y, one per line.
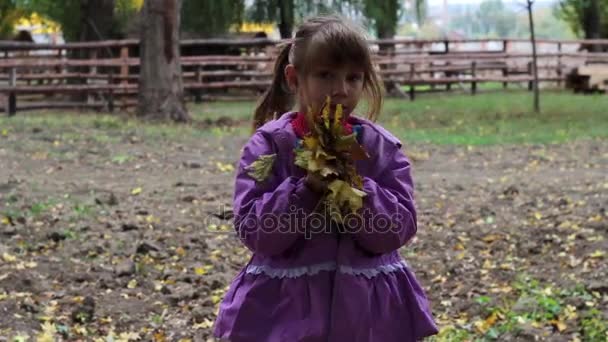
pixel 107 72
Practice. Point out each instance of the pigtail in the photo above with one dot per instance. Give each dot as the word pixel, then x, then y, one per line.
pixel 278 98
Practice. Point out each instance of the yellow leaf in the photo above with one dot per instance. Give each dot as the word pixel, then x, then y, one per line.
pixel 224 167
pixel 106 320
pixel 48 333
pixel 128 336
pixel 136 191
pixel 597 254
pixel 8 258
pixel 311 142
pixel 459 247
pixel 202 270
pixel 132 284
pixel 325 112
pixel 485 325
pixel 491 238
pixel 205 324
pixel 338 114
pixel 159 336
pixel 341 194
pixel 261 168
pixel 538 215
pixel 5 220
pixel 561 326
pixel 5 132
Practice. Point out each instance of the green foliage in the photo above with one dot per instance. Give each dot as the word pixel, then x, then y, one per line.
pixel 9 14
pixel 573 12
pixel 65 12
pixel 69 14
pixel 211 17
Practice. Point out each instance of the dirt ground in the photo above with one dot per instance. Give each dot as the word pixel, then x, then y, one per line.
pixel 120 233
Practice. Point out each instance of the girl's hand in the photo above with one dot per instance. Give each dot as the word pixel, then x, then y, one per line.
pixel 316 182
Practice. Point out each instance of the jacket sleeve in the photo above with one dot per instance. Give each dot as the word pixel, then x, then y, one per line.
pixel 264 211
pixel 388 217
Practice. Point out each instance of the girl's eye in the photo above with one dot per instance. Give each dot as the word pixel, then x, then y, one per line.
pixel 355 78
pixel 325 75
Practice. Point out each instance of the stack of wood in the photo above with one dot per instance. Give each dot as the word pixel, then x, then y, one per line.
pixel 588 78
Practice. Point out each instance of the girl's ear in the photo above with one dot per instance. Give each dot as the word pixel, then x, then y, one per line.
pixel 292 77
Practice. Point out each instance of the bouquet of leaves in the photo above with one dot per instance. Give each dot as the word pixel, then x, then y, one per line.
pixel 330 152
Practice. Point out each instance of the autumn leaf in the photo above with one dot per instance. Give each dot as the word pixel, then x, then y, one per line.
pixel 132 284
pixel 260 169
pixel 5 220
pixel 136 191
pixel 48 333
pixel 343 195
pixel 224 167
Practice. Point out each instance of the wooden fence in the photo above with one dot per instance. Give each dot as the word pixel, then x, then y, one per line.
pixel 104 75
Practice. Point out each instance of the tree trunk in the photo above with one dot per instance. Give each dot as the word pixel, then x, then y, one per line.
pixel 286 9
pixel 97 20
pixel 386 27
pixel 161 91
pixel 591 22
pixel 534 58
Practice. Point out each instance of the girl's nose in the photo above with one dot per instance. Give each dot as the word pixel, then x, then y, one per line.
pixel 340 88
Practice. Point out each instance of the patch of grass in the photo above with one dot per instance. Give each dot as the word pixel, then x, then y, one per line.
pixel 82 210
pixel 39 208
pixel 497 118
pixel 121 159
pixel 533 306
pixel 238 110
pixel 487 118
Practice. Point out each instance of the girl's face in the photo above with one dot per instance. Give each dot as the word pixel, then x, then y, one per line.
pixel 343 84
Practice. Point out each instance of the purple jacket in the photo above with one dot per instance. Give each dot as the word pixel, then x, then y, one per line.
pixel 312 280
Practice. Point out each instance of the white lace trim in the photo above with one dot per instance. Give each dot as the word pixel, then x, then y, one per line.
pixel 372 272
pixel 294 272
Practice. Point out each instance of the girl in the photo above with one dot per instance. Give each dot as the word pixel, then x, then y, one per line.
pixel 309 279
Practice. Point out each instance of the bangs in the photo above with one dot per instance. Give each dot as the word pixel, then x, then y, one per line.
pixel 335 46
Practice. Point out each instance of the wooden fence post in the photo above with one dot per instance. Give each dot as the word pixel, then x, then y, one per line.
pixel 11 103
pixel 92 72
pixel 124 73
pixel 61 68
pixel 412 86
pixel 559 64
pixel 448 86
pixel 474 76
pixel 199 80
pixel 110 93
pixel 531 73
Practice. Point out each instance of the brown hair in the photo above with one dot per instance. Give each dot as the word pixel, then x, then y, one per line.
pixel 319 39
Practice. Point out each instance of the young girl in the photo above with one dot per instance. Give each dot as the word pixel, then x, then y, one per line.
pixel 310 279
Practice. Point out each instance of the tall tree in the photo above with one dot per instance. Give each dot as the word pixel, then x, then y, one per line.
pixel 9 14
pixel 86 20
pixel 287 12
pixel 80 20
pixel 383 15
pixel 210 18
pixel 161 91
pixel 280 11
pixel 587 18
